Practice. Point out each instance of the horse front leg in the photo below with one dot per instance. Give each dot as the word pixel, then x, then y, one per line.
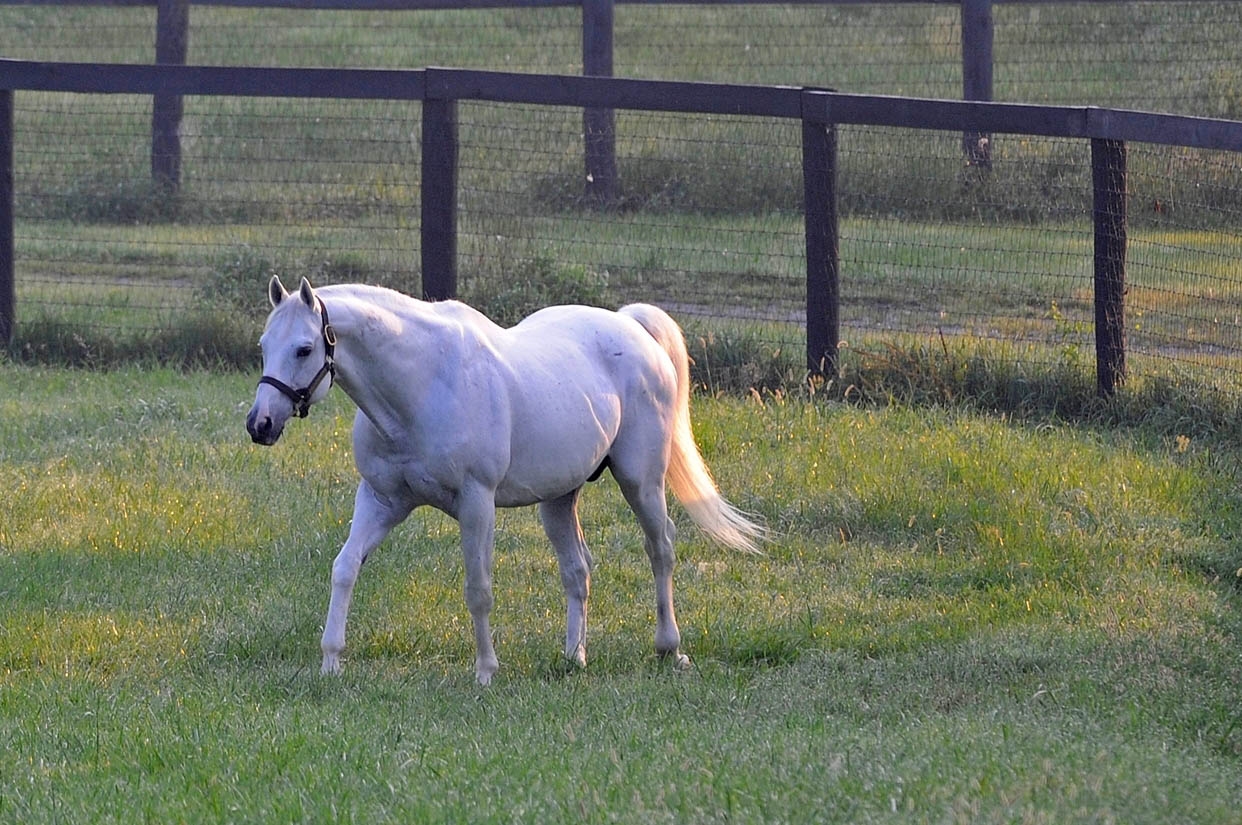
pixel 374 517
pixel 476 515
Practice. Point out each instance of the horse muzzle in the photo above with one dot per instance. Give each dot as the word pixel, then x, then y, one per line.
pixel 262 429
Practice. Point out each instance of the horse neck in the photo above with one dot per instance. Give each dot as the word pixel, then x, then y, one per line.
pixel 377 354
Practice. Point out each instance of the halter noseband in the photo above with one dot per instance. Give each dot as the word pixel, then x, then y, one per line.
pixel 302 398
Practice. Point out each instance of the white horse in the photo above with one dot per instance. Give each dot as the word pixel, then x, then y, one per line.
pixel 460 414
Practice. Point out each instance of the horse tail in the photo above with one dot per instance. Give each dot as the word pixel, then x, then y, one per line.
pixel 688 476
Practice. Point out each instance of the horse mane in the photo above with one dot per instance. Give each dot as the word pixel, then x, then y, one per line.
pixel 403 306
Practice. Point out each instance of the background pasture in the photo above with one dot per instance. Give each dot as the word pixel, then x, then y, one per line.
pixel 964 618
pixel 709 219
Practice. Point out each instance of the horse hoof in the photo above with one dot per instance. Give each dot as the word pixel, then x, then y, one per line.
pixel 679 660
pixel 484 671
pixel 577 657
pixel 331 666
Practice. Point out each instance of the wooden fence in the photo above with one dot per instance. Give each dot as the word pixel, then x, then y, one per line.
pixel 820 113
pixel 172 37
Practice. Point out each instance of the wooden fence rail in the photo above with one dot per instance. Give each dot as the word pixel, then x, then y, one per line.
pixel 819 111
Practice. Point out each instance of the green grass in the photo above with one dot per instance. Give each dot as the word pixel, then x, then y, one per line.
pixel 962 617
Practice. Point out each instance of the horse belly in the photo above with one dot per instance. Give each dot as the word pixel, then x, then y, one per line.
pixel 557 443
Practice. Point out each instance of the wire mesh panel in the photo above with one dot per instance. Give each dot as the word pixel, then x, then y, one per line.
pixel 1156 56
pixel 942 251
pixel 324 188
pixel 939 251
pixel 706 222
pixel 1184 268
pixel 78 178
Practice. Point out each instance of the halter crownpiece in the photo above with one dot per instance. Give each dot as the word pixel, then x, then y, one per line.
pixel 302 398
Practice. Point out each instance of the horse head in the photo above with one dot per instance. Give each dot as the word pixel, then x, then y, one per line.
pixel 298 346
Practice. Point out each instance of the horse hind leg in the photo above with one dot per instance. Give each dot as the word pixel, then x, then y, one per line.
pixel 476 515
pixel 560 522
pixel 647 501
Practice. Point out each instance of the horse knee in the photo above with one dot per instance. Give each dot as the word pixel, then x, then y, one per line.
pixel 479 598
pixel 346 566
pixel 344 576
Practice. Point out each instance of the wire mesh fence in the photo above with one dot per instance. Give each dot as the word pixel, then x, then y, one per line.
pixel 709 223
pixel 1160 56
pixel 709 216
pixel 322 187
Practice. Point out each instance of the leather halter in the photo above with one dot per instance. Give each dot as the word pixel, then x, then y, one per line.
pixel 302 398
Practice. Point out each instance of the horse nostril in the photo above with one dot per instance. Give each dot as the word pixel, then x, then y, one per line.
pixel 259 429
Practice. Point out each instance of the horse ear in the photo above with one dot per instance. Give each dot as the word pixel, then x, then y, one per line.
pixel 276 291
pixel 307 292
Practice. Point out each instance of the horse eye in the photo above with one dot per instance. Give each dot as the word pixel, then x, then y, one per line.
pixel 303 352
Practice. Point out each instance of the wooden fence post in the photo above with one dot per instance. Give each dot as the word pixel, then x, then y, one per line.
pixel 977 74
pixel 172 39
pixel 599 125
pixel 1108 181
pixel 8 290
pixel 439 200
pixel 823 294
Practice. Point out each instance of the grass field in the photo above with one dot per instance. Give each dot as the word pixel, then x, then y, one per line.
pixel 962 618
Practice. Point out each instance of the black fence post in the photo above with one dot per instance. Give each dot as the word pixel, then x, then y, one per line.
pixel 172 39
pixel 1108 180
pixel 599 125
pixel 8 290
pixel 977 74
pixel 823 294
pixel 439 200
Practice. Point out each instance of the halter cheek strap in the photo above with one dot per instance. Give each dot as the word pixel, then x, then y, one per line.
pixel 302 398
